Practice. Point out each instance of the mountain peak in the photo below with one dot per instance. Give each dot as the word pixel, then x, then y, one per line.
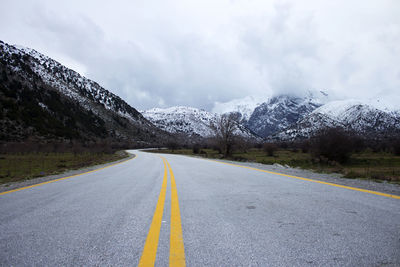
pixel 352 115
pixel 187 120
pixel 47 81
pixel 279 112
pixel 244 106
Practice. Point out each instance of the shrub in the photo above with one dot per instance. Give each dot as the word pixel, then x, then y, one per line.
pixel 270 148
pixel 196 149
pixel 352 175
pixel 283 145
pixel 396 147
pixel 172 145
pixel 358 143
pixel 305 146
pixel 258 145
pixel 332 143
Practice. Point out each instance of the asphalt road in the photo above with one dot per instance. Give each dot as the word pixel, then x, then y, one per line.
pixel 216 215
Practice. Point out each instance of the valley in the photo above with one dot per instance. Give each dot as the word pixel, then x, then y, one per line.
pixel 199 133
pixel 45 105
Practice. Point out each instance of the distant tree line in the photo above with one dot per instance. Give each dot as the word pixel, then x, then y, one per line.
pixel 107 146
pixel 326 146
pixel 336 144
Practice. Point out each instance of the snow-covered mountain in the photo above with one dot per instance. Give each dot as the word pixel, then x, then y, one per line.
pixel 242 107
pixel 71 106
pixel 282 111
pixel 352 115
pixel 75 86
pixel 187 120
pixel 26 71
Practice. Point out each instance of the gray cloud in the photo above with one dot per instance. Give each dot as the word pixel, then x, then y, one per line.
pixel 164 53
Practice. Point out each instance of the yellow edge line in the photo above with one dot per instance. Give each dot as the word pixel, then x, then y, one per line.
pixel 60 179
pixel 148 257
pixel 176 249
pixel 312 180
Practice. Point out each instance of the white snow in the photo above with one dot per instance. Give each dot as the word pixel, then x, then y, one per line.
pixel 181 119
pixel 355 115
pixel 187 120
pixel 336 109
pixel 71 83
pixel 245 106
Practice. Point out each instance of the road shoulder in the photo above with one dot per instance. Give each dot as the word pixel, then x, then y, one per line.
pixel 38 180
pixel 335 178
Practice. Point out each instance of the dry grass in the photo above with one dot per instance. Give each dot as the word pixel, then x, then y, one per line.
pixel 22 166
pixel 378 166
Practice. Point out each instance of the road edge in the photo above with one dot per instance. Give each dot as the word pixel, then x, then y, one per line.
pixel 322 178
pixel 20 185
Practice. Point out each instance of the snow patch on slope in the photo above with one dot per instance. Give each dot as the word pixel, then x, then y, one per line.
pixel 181 119
pixel 335 109
pixel 85 92
pixel 187 120
pixel 74 85
pixel 280 112
pixel 352 115
pixel 244 106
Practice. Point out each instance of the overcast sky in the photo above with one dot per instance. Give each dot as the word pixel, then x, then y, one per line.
pixel 195 53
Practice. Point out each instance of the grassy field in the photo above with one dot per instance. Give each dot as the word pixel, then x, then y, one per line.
pixel 16 167
pixel 378 166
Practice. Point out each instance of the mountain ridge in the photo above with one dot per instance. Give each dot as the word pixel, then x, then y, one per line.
pixel 78 107
pixel 279 112
pixel 26 72
pixel 191 121
pixel 352 115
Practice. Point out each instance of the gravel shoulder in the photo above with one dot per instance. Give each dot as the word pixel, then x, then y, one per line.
pixel 38 180
pixel 383 187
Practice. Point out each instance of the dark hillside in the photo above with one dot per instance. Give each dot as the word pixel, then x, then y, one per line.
pixel 43 100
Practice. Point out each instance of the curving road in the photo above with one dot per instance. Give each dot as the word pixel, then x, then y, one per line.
pixel 176 210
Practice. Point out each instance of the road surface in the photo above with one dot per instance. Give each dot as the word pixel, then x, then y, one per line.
pixel 176 210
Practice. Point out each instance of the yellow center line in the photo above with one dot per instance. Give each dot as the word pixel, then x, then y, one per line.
pixel 64 178
pixel 311 180
pixel 148 257
pixel 176 249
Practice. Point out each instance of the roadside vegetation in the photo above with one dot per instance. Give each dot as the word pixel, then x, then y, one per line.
pixel 22 161
pixel 378 166
pixel 330 151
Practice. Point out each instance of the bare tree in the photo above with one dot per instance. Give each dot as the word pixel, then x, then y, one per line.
pixel 224 130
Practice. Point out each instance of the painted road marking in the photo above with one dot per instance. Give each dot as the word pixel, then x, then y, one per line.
pixel 176 249
pixel 312 180
pixel 64 178
pixel 148 257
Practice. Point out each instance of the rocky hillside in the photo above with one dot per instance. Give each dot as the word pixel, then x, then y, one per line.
pixel 189 121
pixel 243 108
pixel 280 112
pixel 41 98
pixel 351 115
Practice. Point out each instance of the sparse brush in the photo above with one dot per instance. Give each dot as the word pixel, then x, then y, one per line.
pixel 270 148
pixel 40 164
